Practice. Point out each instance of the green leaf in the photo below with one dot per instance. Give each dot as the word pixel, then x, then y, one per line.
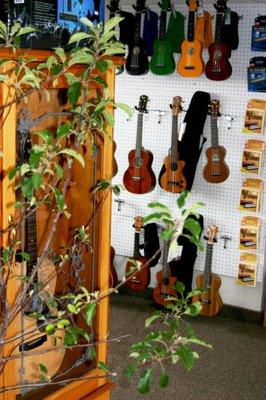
pixel 124 107
pixel 130 371
pixel 167 234
pixel 186 357
pixel 46 136
pixel 25 30
pixel 25 256
pixel 60 200
pixel 27 187
pixel 90 312
pixel 110 119
pixel 101 81
pixel 56 69
pixel 63 130
pixel 193 227
pixel 13 173
pixel 101 65
pixel 193 309
pixel 199 342
pixel 156 204
pixel 35 158
pixel 103 366
pixel 81 57
pixel 158 216
pixel 36 180
pixel 74 92
pixel 164 380
pixel 145 381
pixel 179 287
pixel 152 318
pixel 74 154
pixel 76 37
pixel 43 368
pixel 59 171
pixel 60 52
pixel 71 337
pixel 109 25
pixel 182 199
pixel 50 329
pixel 72 308
pixel 174 323
pixel 3 78
pixel 134 354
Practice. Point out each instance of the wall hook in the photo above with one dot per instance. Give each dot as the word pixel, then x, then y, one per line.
pixel 229 119
pixel 226 239
pixel 119 202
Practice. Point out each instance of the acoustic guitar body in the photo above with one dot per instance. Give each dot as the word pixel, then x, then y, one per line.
pixel 171 176
pixel 211 300
pixel 216 171
pixel 191 63
pixel 139 179
pixel 218 67
pixel 161 291
pixel 137 62
pixel 37 341
pixel 141 279
pixel 162 61
pixel 113 274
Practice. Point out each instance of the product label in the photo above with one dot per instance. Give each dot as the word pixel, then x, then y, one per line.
pixel 44 12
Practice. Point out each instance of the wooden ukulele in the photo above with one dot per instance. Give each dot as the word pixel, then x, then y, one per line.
pixel 162 61
pixel 211 300
pixel 216 169
pixel 218 67
pixel 190 63
pixel 141 279
pixel 137 62
pixel 165 281
pixel 139 178
pixel 36 340
pixel 113 274
pixel 171 176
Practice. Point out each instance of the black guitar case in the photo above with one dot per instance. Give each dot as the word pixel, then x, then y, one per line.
pixel 193 140
pixel 151 242
pixel 183 268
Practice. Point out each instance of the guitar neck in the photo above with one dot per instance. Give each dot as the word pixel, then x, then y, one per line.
pixel 162 29
pixel 214 132
pixel 166 268
pixel 174 141
pixel 137 34
pixel 218 28
pixel 139 135
pixel 31 241
pixel 208 265
pixel 136 245
pixel 191 23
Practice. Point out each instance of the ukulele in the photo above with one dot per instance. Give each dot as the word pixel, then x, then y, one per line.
pixel 171 176
pixel 37 340
pixel 218 68
pixel 164 279
pixel 137 62
pixel 211 300
pixel 139 177
pixel 216 170
pixel 190 63
pixel 141 279
pixel 162 61
pixel 113 275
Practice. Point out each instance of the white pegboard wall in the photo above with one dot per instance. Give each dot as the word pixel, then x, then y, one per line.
pixel 221 200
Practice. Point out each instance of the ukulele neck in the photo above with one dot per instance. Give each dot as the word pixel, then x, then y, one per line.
pixel 218 27
pixel 214 132
pixel 139 136
pixel 208 264
pixel 191 23
pixel 174 141
pixel 166 268
pixel 137 34
pixel 163 19
pixel 31 242
pixel 136 245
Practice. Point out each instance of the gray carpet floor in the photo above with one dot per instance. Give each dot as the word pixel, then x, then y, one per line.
pixel 235 369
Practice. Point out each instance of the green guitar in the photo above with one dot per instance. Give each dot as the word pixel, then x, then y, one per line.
pixel 162 61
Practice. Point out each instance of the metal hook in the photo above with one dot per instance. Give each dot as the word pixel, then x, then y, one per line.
pixel 226 239
pixel 120 202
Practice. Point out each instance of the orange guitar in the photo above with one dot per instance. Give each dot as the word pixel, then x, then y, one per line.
pixel 211 300
pixel 139 178
pixel 164 279
pixel 141 279
pixel 190 63
pixel 216 170
pixel 171 176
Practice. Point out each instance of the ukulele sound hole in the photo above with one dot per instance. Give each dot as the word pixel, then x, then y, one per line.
pixel 173 166
pixel 206 301
pixel 138 162
pixel 191 51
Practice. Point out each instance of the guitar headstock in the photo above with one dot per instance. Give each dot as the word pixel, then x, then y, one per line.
pixel 140 6
pixel 176 106
pixel 212 231
pixel 220 6
pixel 113 7
pixel 192 5
pixel 165 5
pixel 214 108
pixel 143 100
pixel 138 223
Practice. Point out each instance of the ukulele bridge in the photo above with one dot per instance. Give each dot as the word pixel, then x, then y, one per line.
pixel 205 301
pixel 172 183
pixel 137 178
pixel 216 158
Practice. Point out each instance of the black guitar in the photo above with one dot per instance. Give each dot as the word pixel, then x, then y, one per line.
pixel 137 62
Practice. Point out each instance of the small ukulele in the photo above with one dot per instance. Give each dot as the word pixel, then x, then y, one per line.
pixel 218 68
pixel 216 170
pixel 162 61
pixel 137 62
pixel 211 300
pixel 190 63
pixel 139 178
pixel 165 280
pixel 171 176
pixel 141 279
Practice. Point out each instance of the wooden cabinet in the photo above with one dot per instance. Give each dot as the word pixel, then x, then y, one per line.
pixel 82 204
